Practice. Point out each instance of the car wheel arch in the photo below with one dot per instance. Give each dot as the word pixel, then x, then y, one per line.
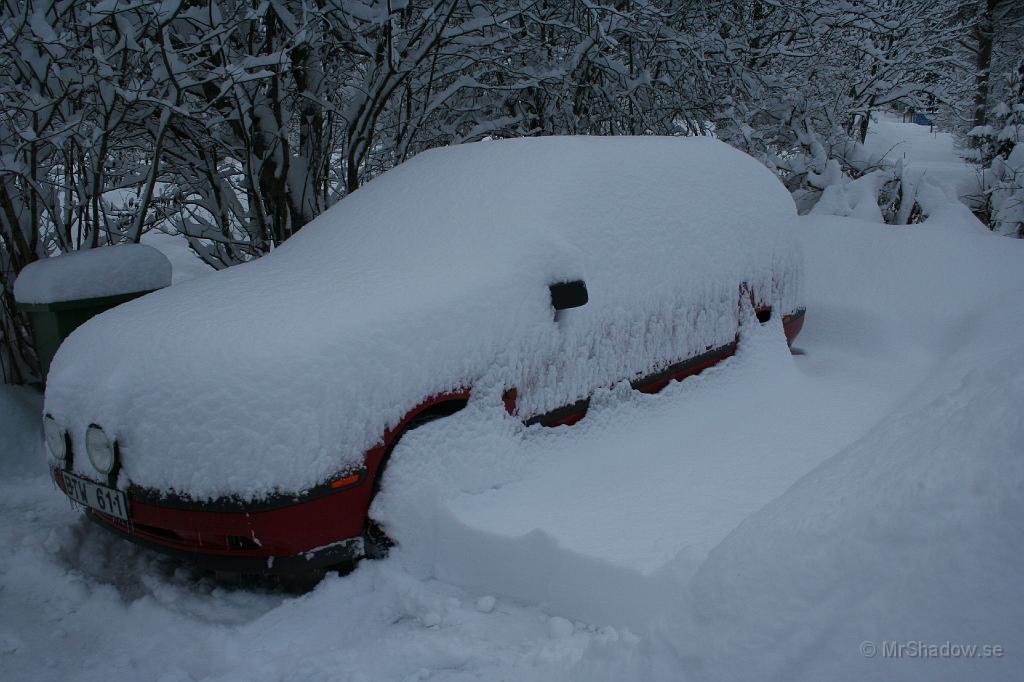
pixel 436 407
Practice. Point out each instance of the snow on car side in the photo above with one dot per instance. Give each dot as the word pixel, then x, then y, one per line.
pixel 246 415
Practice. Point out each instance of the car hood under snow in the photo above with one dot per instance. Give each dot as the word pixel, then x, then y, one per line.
pixel 273 375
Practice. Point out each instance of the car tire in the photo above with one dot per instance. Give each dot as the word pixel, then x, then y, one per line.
pixel 301 583
pixel 376 542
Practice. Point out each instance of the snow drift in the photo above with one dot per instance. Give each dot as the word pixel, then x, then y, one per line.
pixel 912 532
pixel 274 375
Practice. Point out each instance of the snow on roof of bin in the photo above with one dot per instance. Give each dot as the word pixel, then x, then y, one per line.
pixel 271 376
pixel 93 273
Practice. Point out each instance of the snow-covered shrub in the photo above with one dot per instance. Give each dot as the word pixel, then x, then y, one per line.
pixel 1005 121
pixel 1006 193
pixel 999 193
pixel 881 195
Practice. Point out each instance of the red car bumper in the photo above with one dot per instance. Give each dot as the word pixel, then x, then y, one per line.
pixel 286 535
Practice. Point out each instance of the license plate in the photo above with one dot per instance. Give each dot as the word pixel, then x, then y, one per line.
pixel 98 497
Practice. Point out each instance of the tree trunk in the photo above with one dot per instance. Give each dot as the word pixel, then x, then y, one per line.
pixel 983 33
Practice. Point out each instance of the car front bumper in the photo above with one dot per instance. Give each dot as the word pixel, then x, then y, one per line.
pixel 280 536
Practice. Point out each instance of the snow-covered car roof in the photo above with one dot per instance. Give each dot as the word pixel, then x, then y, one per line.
pixel 273 375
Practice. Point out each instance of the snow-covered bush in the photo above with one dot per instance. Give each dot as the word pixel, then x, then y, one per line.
pixel 1006 193
pixel 882 195
pixel 999 193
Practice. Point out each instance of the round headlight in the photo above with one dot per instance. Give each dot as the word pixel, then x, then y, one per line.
pixel 56 441
pixel 100 449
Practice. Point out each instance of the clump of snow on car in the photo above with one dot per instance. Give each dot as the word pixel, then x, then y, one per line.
pixel 93 273
pixel 276 374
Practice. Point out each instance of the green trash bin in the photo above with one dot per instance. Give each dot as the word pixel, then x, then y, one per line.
pixel 60 294
pixel 54 322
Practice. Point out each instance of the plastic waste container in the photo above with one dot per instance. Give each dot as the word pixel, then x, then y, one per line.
pixel 60 294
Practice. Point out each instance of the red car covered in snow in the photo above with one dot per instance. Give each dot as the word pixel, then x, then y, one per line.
pixel 244 419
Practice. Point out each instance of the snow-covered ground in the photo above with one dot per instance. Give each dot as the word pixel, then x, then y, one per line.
pixel 781 517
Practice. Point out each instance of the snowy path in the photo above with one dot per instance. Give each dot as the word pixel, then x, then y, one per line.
pixel 757 523
pixel 932 155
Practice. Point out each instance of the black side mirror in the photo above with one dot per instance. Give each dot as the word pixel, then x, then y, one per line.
pixel 568 294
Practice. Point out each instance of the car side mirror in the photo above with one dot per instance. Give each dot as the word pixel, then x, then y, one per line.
pixel 568 294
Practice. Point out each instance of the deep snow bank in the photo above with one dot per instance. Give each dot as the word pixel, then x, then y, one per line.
pixel 274 375
pixel 912 534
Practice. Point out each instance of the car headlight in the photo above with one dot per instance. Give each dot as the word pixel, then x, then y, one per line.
pixel 100 449
pixel 56 439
